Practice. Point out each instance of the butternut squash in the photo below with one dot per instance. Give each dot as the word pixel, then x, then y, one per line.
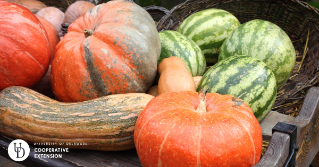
pixel 106 123
pixel 197 79
pixel 154 92
pixel 174 76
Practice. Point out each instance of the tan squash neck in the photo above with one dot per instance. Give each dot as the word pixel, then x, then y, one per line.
pixel 88 33
pixel 201 107
pixel 202 103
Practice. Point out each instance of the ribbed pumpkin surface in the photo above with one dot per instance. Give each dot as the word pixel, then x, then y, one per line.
pixel 170 132
pixel 119 57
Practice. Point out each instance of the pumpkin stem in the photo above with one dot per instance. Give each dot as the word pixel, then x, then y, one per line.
pixel 88 33
pixel 202 103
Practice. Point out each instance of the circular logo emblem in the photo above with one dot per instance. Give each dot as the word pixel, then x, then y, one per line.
pixel 18 150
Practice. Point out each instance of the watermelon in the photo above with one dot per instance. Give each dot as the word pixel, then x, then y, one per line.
pixel 246 78
pixel 265 41
pixel 176 44
pixel 208 29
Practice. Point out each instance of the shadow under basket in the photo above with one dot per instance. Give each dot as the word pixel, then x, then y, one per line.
pixel 298 19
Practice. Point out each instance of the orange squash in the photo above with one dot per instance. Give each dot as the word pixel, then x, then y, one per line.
pixel 171 63
pixel 52 33
pixel 75 10
pixel 24 47
pixel 174 76
pixel 197 79
pixel 106 52
pixel 53 15
pixel 189 129
pixel 154 89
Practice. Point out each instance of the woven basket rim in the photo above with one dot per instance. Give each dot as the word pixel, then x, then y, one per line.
pixel 152 7
pixel 301 3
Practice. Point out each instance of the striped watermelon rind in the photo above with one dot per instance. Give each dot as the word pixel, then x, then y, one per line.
pixel 176 44
pixel 246 78
pixel 208 29
pixel 265 41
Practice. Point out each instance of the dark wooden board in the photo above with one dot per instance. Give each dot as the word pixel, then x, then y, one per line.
pixel 75 157
pixel 307 122
pixel 277 152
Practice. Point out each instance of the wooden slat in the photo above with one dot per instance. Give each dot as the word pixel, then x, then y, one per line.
pixel 91 158
pixel 270 121
pixel 316 161
pixel 307 122
pixel 75 158
pixel 277 151
pixel 4 162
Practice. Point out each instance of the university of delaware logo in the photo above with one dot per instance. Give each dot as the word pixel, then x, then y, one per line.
pixel 18 150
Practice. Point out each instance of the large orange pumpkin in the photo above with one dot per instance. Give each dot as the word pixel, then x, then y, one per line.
pixel 24 47
pixel 185 129
pixel 111 49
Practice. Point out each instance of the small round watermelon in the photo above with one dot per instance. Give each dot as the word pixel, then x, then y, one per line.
pixel 265 41
pixel 176 44
pixel 208 29
pixel 246 78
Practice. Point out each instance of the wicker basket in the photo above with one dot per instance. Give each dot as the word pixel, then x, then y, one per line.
pixel 295 17
pixel 157 12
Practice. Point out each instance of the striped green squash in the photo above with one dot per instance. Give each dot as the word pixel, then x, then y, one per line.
pixel 176 44
pixel 106 123
pixel 265 41
pixel 246 78
pixel 208 29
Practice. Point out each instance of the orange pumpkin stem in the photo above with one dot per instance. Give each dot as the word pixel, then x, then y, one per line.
pixel 202 104
pixel 88 33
